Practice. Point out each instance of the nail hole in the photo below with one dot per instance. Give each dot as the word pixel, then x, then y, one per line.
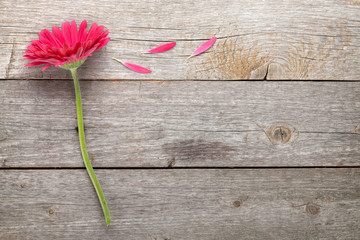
pixel 237 203
pixel 51 211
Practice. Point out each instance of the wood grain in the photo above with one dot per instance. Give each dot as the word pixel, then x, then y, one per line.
pixel 182 204
pixel 182 123
pixel 291 39
pixel 166 123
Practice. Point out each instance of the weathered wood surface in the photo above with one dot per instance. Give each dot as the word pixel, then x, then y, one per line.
pixel 182 204
pixel 291 39
pixel 167 123
pixel 159 124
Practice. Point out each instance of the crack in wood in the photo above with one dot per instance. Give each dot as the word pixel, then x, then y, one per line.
pixel 267 71
pixel 11 60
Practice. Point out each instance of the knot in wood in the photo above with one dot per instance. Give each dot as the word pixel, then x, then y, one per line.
pixel 279 134
pixel 51 211
pixel 237 203
pixel 312 209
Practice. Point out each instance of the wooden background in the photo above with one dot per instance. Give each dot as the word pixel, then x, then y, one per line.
pixel 258 138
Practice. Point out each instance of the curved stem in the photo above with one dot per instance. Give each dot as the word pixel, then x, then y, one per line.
pixel 84 153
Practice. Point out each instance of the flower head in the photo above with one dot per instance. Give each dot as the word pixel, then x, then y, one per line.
pixel 68 47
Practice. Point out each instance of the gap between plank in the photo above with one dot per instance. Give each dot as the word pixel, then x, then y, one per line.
pixel 182 80
pixel 167 168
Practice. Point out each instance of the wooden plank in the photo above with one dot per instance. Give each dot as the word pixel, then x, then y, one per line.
pixel 182 204
pixel 182 123
pixel 310 39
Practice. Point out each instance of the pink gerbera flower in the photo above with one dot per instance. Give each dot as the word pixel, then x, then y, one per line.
pixel 68 47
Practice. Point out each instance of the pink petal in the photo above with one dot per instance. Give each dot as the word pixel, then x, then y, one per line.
pixel 82 31
pixel 43 38
pixel 43 69
pixel 74 34
pixel 205 46
pixel 48 38
pixel 162 48
pixel 35 64
pixel 79 52
pixel 134 67
pixel 92 32
pixel 103 43
pixel 93 49
pixel 58 34
pixel 27 57
pixel 65 28
pixel 99 30
pixel 39 45
pixel 57 42
pixel 104 34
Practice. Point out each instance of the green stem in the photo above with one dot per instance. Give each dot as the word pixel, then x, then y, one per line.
pixel 84 153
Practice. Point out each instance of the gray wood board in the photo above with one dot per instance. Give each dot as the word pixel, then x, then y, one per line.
pixel 182 204
pixel 291 39
pixel 181 123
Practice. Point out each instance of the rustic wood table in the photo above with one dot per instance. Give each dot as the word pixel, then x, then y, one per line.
pixel 257 138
